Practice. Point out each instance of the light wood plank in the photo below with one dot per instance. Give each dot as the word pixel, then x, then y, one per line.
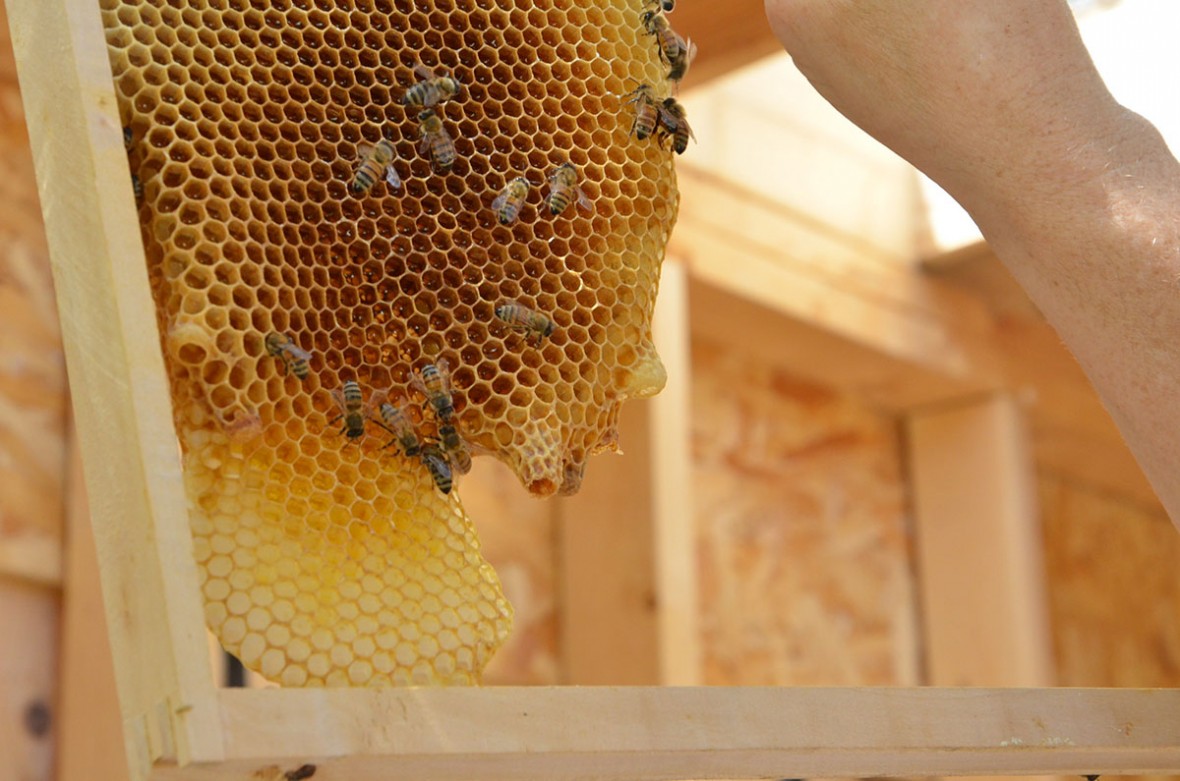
pixel 645 733
pixel 675 562
pixel 32 557
pixel 606 552
pixel 28 681
pixel 729 34
pixel 980 562
pixel 121 397
pixel 1072 433
pixel 823 306
pixel 91 741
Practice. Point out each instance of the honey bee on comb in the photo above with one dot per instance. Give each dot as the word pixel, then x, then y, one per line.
pixel 293 357
pixel 439 467
pixel 398 423
pixel 353 409
pixel 455 448
pixel 674 49
pixel 674 123
pixel 434 382
pixel 436 141
pixel 667 6
pixel 647 111
pixel 564 189
pixel 375 159
pixel 508 203
pixel 430 90
pixel 520 318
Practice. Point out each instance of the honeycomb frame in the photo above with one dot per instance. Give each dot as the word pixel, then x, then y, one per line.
pixel 325 561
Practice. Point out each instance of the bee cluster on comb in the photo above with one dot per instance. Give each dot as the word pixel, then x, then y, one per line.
pixel 333 257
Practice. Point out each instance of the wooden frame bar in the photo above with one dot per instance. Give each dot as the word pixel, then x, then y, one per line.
pixel 178 725
pixel 645 733
pixel 980 564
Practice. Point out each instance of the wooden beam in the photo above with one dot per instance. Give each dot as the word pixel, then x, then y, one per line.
pixel 122 402
pixel 823 305
pixel 729 34
pixel 980 563
pixel 625 542
pixel 675 564
pixel 90 742
pixel 1072 433
pixel 646 733
pixel 28 680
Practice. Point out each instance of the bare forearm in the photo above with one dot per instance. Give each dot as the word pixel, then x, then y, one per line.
pixel 998 102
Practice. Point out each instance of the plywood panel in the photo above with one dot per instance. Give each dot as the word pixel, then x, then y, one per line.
pixel 802 535
pixel 1113 587
pixel 32 371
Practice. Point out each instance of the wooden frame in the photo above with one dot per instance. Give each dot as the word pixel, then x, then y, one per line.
pixel 178 725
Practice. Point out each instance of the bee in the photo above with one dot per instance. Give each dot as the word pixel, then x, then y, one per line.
pixel 137 188
pixel 674 49
pixel 647 111
pixel 455 448
pixel 563 188
pixel 294 357
pixel 520 318
pixel 374 159
pixel 398 423
pixel 668 6
pixel 437 141
pixel 300 773
pixel 435 384
pixel 430 90
pixel 352 409
pixel 508 203
pixel 674 123
pixel 128 138
pixel 434 460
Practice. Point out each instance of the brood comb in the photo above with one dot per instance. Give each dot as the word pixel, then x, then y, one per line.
pixel 331 560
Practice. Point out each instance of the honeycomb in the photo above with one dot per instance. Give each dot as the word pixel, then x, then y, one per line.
pixel 332 560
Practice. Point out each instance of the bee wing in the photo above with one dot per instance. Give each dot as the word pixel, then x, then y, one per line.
pixel 690 51
pixel 584 201
pixel 501 199
pixel 297 351
pixel 424 73
pixel 364 150
pixel 444 370
pixel 376 400
pixel 418 385
pixel 391 178
pixel 338 397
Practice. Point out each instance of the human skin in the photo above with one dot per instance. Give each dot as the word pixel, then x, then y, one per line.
pixel 999 103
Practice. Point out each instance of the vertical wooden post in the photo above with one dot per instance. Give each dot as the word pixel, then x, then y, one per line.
pixel 981 567
pixel 28 679
pixel 122 403
pixel 625 542
pixel 91 731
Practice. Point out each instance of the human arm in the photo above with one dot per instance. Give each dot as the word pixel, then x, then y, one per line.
pixel 998 102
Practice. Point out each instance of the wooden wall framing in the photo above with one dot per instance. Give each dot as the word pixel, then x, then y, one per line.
pixel 178 725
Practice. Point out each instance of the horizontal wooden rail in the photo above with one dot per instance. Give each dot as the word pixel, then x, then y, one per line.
pixel 667 733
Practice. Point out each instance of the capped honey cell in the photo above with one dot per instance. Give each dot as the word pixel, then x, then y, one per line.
pixel 317 239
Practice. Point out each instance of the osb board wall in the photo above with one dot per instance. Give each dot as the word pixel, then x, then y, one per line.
pixel 1114 588
pixel 32 464
pixel 32 371
pixel 801 515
